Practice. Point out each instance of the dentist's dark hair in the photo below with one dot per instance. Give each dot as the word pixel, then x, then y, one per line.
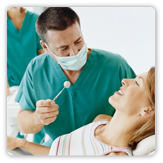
pixel 55 18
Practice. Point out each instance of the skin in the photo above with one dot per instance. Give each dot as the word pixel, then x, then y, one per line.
pixel 66 43
pixel 17 19
pixel 62 43
pixel 121 126
pixel 16 16
pixel 132 110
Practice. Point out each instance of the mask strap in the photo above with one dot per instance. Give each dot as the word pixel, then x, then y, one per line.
pixel 52 52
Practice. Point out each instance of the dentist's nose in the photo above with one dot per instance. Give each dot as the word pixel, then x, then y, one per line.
pixel 73 51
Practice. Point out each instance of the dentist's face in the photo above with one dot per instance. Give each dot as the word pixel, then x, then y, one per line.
pixel 65 43
pixel 132 97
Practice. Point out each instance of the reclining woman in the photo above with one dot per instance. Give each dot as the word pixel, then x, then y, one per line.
pixel 133 121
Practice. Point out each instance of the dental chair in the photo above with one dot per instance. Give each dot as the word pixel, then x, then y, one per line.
pixel 146 147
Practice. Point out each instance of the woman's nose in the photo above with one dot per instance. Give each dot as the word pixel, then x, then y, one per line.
pixel 123 82
pixel 127 82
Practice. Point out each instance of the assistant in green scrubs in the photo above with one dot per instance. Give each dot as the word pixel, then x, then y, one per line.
pixel 22 47
pixel 88 97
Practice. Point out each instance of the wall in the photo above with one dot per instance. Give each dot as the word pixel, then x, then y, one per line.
pixel 128 31
pixel 37 10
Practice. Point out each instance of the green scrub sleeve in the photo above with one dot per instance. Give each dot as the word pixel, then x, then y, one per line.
pixel 127 71
pixel 27 100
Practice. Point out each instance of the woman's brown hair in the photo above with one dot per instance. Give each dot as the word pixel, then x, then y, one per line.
pixel 148 128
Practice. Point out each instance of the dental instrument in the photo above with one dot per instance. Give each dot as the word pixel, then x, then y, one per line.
pixel 66 85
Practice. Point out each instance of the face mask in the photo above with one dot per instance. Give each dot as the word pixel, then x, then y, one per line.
pixel 73 62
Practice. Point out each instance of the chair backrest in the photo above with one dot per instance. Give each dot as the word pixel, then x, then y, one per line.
pixel 145 147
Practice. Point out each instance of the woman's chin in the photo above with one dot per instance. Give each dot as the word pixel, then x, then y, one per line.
pixel 111 100
pixel 114 102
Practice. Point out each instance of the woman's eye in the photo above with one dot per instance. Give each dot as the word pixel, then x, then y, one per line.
pixel 136 83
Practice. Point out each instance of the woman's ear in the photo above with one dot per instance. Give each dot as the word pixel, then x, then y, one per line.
pixel 147 112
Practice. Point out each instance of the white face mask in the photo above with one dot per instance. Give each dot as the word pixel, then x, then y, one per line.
pixel 73 62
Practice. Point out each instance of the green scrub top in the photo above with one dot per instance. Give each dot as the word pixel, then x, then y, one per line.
pixel 88 97
pixel 22 47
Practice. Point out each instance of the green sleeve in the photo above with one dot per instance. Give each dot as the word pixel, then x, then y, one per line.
pixel 26 95
pixel 127 71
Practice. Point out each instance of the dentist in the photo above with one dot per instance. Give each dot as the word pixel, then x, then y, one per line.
pixel 94 76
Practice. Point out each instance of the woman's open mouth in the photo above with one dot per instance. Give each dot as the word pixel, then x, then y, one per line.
pixel 119 92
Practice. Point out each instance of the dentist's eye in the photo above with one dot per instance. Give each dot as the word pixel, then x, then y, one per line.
pixel 136 83
pixel 78 42
pixel 64 49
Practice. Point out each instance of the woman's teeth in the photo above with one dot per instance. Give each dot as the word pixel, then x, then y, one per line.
pixel 120 92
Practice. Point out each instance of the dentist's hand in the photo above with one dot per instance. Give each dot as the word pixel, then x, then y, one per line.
pixel 46 111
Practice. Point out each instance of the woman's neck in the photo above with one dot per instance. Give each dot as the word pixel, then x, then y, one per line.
pixel 16 15
pixel 118 130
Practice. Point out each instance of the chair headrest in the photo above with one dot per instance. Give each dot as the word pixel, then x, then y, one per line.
pixel 145 146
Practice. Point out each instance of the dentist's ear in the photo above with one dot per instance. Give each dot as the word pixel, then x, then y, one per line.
pixel 148 112
pixel 43 44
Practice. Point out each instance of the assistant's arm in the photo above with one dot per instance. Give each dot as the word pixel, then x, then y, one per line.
pixel 41 51
pixel 33 148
